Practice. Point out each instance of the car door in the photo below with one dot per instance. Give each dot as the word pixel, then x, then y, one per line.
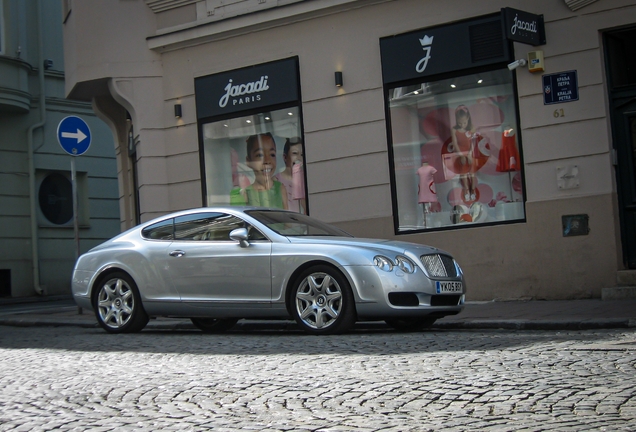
pixel 210 269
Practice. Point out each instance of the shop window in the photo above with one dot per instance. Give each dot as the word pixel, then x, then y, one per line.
pixel 454 143
pixel 251 136
pixel 256 160
pixel 455 146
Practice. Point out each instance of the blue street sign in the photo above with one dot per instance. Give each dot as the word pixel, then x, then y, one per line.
pixel 74 135
pixel 560 87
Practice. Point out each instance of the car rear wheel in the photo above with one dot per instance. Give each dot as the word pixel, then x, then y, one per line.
pixel 117 305
pixel 213 325
pixel 411 324
pixel 323 302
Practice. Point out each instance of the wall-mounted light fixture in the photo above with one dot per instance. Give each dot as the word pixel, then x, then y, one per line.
pixel 177 110
pixel 338 79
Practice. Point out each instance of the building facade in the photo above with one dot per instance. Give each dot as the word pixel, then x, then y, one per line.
pixel 500 131
pixel 37 233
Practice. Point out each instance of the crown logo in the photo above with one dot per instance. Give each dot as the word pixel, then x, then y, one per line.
pixel 427 40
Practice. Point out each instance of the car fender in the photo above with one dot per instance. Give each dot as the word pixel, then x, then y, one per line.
pixel 286 267
pixel 151 283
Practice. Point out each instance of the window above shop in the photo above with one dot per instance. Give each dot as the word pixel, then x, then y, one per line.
pixel 190 22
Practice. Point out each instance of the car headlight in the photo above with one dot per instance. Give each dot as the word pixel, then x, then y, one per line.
pixel 383 263
pixel 404 264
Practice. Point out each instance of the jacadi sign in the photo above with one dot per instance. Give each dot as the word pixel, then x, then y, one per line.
pixel 247 88
pixel 523 26
pixel 244 93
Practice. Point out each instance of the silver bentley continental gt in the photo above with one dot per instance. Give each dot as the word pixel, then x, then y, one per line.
pixel 217 265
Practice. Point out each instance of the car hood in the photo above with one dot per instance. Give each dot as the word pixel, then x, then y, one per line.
pixel 367 243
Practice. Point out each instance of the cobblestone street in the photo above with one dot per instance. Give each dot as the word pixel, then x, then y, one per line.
pixel 81 379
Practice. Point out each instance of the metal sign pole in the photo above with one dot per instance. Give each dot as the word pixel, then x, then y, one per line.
pixel 75 218
pixel 74 136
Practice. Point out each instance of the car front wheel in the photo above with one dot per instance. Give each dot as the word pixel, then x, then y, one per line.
pixel 117 305
pixel 323 302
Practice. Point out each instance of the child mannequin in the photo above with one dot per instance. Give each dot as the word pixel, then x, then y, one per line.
pixel 293 156
pixel 463 136
pixel 426 189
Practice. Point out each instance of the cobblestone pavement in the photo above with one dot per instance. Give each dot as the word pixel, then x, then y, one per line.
pixel 493 380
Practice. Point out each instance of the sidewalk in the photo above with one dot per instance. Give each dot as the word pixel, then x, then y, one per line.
pixel 516 315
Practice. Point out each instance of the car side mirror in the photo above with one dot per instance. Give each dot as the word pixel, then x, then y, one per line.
pixel 240 235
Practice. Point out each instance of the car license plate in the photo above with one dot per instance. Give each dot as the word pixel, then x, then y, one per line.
pixel 449 287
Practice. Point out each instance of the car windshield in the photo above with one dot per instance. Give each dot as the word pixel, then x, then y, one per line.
pixel 295 224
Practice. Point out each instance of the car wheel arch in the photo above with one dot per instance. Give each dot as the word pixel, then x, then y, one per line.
pixel 117 303
pixel 294 280
pixel 103 275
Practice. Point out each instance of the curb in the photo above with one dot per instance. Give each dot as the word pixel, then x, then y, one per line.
pixel 538 325
pixel 291 326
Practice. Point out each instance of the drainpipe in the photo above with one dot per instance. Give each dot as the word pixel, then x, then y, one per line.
pixel 31 153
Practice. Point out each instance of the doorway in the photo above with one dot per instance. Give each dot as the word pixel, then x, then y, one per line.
pixel 620 59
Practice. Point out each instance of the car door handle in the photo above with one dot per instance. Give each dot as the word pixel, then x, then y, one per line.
pixel 177 253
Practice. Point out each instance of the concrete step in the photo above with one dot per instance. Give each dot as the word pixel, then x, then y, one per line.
pixel 626 278
pixel 618 293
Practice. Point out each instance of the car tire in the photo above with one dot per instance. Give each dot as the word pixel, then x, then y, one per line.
pixel 117 304
pixel 411 324
pixel 322 301
pixel 214 325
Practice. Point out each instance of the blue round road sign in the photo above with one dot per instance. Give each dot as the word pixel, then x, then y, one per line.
pixel 74 135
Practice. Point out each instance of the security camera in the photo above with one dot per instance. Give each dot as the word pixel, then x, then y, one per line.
pixel 515 64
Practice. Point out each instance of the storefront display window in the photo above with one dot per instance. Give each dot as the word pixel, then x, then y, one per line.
pixel 256 160
pixel 455 152
pixel 251 136
pixel 453 134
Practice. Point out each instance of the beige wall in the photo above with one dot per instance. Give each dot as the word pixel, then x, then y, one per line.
pixel 530 260
pixel 153 66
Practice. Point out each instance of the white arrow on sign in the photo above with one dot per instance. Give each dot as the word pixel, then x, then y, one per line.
pixel 79 136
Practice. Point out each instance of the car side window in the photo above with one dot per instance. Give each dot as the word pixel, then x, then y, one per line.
pixel 207 226
pixel 254 234
pixel 163 230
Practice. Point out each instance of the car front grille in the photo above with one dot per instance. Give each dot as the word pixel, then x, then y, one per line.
pixel 439 265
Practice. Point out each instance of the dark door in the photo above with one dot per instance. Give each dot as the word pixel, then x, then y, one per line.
pixel 625 144
pixel 620 62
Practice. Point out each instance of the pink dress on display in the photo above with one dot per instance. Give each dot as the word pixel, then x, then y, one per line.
pixel 298 175
pixel 289 185
pixel 426 193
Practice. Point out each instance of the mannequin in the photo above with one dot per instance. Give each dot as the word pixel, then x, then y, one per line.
pixel 426 190
pixel 508 155
pixel 298 191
